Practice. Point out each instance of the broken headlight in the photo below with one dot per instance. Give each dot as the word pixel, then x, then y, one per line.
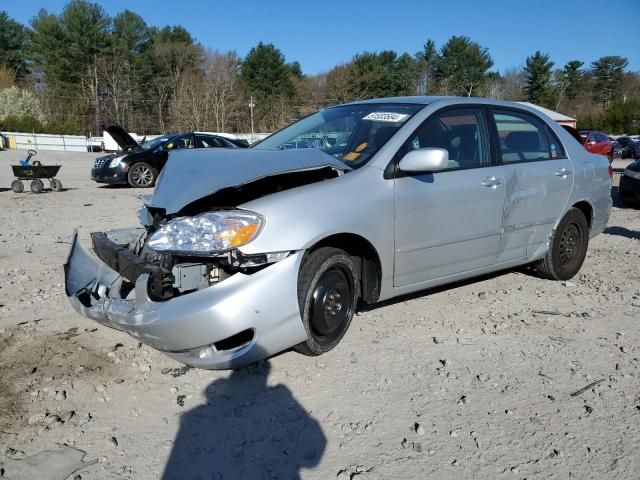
pixel 207 233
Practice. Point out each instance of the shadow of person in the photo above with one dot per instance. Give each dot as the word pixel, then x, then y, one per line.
pixel 246 430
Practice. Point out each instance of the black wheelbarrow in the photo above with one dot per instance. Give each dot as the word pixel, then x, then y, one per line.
pixel 35 172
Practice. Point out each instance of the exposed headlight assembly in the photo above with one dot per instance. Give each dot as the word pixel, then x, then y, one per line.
pixel 208 233
pixel 631 174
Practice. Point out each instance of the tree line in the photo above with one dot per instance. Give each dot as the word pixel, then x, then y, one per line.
pixel 76 71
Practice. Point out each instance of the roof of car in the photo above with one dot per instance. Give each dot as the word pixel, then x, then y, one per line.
pixel 422 100
pixel 427 100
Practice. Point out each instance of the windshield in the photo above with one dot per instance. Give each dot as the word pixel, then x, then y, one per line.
pixel 155 142
pixel 351 133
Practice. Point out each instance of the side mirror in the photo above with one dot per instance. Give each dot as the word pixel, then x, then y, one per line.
pixel 425 160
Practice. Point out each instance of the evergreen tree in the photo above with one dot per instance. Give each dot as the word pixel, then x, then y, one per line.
pixel 608 73
pixel 64 48
pixel 13 40
pixel 426 68
pixel 573 77
pixel 266 73
pixel 463 65
pixel 538 79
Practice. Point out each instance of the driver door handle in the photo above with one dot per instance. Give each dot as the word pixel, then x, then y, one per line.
pixel 563 172
pixel 491 182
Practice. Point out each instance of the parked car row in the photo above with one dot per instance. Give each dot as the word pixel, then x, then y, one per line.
pixel 139 164
pixel 626 147
pixel 244 253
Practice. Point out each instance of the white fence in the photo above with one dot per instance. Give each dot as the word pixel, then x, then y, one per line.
pixel 42 141
pixel 79 143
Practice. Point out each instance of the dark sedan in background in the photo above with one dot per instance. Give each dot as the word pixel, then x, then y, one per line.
pixel 138 164
pixel 629 188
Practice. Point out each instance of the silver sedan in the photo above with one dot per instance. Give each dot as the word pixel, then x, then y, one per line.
pixel 244 253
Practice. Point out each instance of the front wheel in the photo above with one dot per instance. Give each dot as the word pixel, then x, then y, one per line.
pixel 141 175
pixel 567 249
pixel 328 286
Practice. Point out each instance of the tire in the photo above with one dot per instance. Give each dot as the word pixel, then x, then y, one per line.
pixel 17 186
pixel 56 185
pixel 142 175
pixel 567 249
pixel 328 291
pixel 37 186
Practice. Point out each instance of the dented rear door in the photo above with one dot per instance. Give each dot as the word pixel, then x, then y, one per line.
pixel 538 181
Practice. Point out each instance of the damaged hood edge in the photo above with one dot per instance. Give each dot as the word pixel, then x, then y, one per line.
pixel 190 175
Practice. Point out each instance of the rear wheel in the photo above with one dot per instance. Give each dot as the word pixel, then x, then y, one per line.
pixel 141 175
pixel 328 286
pixel 567 249
pixel 17 186
pixel 56 185
pixel 37 186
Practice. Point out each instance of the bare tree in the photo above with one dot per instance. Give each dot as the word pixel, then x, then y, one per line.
pixel 91 89
pixel 113 74
pixel 221 79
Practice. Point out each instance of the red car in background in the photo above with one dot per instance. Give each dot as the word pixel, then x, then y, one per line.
pixel 597 142
pixel 594 142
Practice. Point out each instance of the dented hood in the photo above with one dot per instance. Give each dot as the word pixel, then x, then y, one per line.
pixel 193 174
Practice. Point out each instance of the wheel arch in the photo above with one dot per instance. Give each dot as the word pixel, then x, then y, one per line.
pixel 369 261
pixel 587 209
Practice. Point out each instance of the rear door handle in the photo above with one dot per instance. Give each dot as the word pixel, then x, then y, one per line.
pixel 491 182
pixel 563 172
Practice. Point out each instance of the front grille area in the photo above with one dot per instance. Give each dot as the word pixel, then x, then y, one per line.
pixel 101 162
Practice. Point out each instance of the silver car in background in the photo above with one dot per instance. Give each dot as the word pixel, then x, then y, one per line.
pixel 245 253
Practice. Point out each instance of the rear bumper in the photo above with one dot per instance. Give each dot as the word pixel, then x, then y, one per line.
pixel 187 327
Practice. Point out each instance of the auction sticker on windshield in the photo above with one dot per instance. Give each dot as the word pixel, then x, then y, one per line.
pixel 386 117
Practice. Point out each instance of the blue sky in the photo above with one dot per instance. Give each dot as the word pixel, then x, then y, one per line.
pixel 324 33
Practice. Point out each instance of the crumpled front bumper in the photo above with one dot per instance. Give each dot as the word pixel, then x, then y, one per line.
pixel 187 327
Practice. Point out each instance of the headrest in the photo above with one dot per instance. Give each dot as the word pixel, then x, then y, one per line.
pixel 523 141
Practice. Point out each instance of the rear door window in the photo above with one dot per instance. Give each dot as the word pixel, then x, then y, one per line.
pixel 525 138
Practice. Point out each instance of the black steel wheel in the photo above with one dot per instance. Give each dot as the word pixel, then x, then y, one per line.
pixel 142 175
pixel 17 186
pixel 567 249
pixel 37 186
pixel 328 291
pixel 56 185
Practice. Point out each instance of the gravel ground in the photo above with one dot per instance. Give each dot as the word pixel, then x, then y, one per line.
pixel 470 381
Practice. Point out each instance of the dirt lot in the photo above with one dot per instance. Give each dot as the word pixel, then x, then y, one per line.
pixel 471 381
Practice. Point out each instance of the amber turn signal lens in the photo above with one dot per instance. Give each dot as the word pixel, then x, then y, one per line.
pixel 243 234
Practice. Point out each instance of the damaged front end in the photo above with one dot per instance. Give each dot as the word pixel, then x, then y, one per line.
pixel 220 311
pixel 217 312
pixel 182 284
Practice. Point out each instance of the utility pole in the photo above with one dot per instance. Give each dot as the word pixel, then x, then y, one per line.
pixel 251 105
